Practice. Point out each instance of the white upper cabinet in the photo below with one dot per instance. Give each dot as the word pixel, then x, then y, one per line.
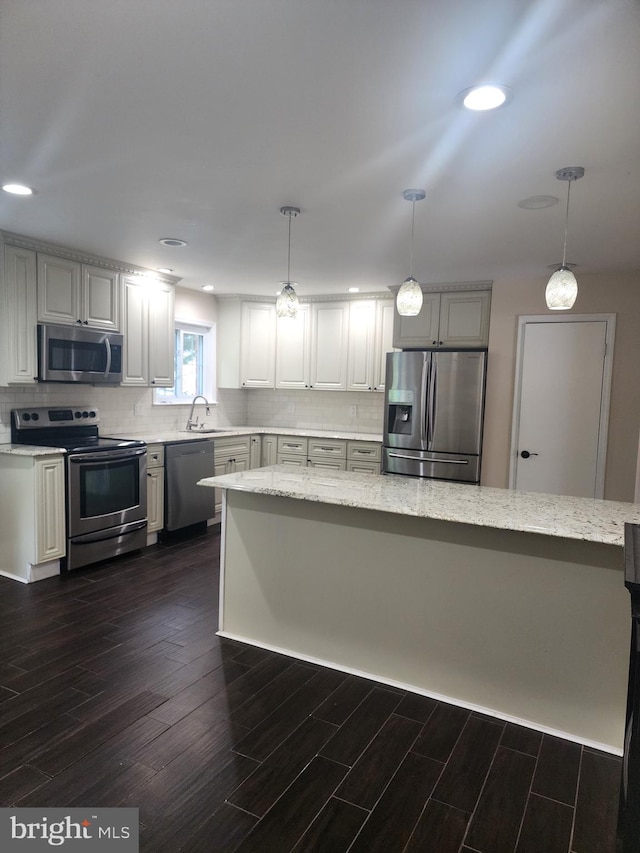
pixel 246 344
pixel 70 293
pixel 258 345
pixel 329 339
pixel 361 347
pixel 464 318
pixel 456 318
pixel 383 341
pixel 135 326
pixel 148 323
pixel 161 334
pixel 293 349
pixel 100 298
pixel 19 313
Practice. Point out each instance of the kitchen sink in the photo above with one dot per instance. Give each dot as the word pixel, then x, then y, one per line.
pixel 207 431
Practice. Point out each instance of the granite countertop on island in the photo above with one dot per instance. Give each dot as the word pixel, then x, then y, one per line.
pixel 587 519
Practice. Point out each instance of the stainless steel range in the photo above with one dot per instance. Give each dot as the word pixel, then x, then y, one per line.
pixel 106 482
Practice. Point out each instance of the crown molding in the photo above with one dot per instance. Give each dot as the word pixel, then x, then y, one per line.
pixel 23 242
pixel 305 300
pixel 449 286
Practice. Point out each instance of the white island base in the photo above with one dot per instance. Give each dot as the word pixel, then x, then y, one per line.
pixel 530 628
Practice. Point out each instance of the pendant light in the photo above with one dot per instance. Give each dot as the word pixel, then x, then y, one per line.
pixel 562 288
pixel 287 301
pixel 409 297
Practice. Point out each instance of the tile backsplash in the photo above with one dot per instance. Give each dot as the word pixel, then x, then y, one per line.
pixel 130 410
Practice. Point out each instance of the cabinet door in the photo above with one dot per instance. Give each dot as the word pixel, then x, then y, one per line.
pixel 258 345
pixel 155 499
pixel 255 455
pixel 293 349
pixel 361 345
pixel 101 291
pixel 50 522
pixel 161 298
pixel 58 290
pixel 464 318
pixel 21 313
pixel 269 450
pixel 384 341
pixel 136 332
pixel 219 468
pixel 421 331
pixel 329 330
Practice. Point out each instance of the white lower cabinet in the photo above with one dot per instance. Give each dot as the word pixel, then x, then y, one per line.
pixel 230 455
pixel 364 457
pixel 18 317
pixel 155 487
pixel 50 522
pixel 269 455
pixel 32 516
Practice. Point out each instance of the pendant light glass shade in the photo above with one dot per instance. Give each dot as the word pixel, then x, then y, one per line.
pixel 409 298
pixel 287 301
pixel 562 287
pixel 409 295
pixel 562 290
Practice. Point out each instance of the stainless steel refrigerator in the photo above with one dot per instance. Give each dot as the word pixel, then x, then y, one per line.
pixel 434 408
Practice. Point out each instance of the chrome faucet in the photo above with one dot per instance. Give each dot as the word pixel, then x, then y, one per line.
pixel 190 422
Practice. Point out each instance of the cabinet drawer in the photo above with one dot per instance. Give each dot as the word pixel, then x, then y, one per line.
pixel 293 460
pixel 332 447
pixel 363 467
pixel 327 464
pixel 226 448
pixel 155 455
pixel 361 451
pixel 288 445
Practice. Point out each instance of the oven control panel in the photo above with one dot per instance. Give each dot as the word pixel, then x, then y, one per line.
pixel 37 418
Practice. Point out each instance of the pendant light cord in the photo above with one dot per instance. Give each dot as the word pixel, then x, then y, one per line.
pixel 289 252
pixel 566 225
pixel 413 219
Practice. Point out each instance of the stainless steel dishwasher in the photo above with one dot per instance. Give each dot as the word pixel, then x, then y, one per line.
pixel 186 503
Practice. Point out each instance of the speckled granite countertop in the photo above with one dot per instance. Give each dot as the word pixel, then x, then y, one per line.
pixel 527 512
pixel 29 450
pixel 228 432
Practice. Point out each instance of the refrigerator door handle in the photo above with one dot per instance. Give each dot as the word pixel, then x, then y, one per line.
pixel 433 387
pixel 424 405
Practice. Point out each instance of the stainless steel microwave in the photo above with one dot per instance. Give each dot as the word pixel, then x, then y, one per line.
pixel 78 354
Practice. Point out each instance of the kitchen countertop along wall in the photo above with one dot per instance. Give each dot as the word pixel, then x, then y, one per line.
pixel 162 437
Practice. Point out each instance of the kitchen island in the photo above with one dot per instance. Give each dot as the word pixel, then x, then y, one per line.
pixel 510 603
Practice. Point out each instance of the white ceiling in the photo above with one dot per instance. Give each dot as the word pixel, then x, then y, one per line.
pixel 199 119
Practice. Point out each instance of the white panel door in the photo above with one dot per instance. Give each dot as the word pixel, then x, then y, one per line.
pixel 101 296
pixel 258 345
pixel 561 408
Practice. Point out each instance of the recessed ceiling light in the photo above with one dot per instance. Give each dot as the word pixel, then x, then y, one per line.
pixel 485 97
pixel 537 202
pixel 164 269
pixel 354 290
pixel 17 189
pixel 172 241
pixel 207 287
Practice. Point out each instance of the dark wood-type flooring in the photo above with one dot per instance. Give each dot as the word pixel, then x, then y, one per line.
pixel 115 691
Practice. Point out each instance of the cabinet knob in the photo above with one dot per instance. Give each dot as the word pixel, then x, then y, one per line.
pixel 79 321
pixel 433 343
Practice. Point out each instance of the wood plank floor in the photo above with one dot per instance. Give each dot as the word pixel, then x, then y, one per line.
pixel 115 691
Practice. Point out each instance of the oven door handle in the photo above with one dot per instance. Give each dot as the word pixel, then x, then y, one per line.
pixel 107 343
pixel 102 535
pixel 107 456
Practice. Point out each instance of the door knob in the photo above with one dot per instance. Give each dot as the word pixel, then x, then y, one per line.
pixel 525 454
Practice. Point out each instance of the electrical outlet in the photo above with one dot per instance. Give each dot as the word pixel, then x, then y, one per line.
pixel 353 411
